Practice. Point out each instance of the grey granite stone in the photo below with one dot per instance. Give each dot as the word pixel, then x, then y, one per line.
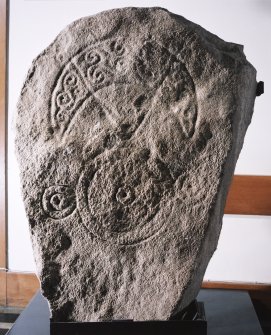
pixel 128 129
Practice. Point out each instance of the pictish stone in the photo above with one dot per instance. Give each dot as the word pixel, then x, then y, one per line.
pixel 128 129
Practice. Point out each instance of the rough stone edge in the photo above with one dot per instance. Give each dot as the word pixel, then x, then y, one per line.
pixel 241 118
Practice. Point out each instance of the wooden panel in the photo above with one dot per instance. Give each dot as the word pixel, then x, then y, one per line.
pixel 20 288
pixel 249 195
pixel 2 133
pixel 3 288
pixel 237 286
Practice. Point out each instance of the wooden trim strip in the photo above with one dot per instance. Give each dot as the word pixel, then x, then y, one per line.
pixel 21 287
pixel 236 286
pixel 249 195
pixel 3 63
pixel 3 287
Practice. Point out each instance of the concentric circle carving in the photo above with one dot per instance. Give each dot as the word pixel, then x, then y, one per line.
pixel 120 201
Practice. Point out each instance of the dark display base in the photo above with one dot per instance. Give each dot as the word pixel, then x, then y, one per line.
pixel 227 313
pixel 190 321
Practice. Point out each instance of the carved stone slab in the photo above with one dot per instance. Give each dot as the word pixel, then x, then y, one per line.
pixel 129 126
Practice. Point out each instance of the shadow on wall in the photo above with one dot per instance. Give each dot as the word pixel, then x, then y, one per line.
pixel 263 5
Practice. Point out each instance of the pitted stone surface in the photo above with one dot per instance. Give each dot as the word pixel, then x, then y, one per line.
pixel 129 126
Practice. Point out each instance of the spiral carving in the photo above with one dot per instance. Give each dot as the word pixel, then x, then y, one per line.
pixel 58 201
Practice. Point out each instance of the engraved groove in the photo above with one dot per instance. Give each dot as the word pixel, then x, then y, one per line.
pixel 92 66
pixel 125 214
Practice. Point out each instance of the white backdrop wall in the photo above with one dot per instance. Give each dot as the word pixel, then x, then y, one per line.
pixel 245 242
